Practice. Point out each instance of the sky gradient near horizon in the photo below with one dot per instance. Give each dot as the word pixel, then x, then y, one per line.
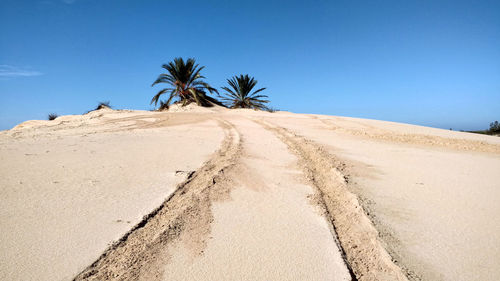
pixel 432 63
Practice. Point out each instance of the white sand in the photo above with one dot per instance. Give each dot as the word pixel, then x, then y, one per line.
pixel 436 205
pixel 66 198
pixel 268 230
pixel 261 208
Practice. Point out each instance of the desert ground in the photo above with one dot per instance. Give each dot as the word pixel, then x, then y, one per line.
pixel 216 194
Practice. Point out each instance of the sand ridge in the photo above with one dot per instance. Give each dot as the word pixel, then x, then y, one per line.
pixel 372 132
pixel 268 201
pixel 186 212
pixel 433 206
pixel 357 237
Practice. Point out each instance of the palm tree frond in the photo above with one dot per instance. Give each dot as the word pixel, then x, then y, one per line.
pixel 186 81
pixel 239 96
pixel 157 96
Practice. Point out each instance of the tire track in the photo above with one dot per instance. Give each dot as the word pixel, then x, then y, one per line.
pixel 356 234
pixel 384 135
pixel 186 215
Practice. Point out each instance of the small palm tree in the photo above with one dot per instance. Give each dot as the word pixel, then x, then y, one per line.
pixel 185 83
pixel 52 116
pixel 102 105
pixel 240 97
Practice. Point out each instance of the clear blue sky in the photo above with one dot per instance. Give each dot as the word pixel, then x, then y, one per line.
pixel 434 63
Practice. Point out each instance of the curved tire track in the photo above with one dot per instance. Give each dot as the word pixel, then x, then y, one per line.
pixel 420 139
pixel 138 254
pixel 358 238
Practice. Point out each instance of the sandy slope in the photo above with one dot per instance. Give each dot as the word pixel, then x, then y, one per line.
pixel 278 200
pixel 68 193
pixel 268 230
pixel 432 193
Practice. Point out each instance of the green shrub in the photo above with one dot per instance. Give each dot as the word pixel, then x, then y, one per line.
pixel 52 116
pixel 494 127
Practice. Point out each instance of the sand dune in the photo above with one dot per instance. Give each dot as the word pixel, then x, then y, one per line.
pixel 217 194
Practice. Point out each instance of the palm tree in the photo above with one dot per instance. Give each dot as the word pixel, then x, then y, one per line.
pixel 240 97
pixel 185 83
